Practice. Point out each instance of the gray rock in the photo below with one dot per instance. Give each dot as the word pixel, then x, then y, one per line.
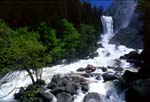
pixel 47 97
pixel 108 77
pixel 64 97
pixel 104 69
pixel 81 69
pixel 85 87
pixel 142 86
pixel 92 97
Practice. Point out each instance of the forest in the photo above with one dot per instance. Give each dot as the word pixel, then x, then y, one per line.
pixel 44 39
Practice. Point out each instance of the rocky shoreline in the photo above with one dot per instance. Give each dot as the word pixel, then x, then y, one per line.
pixel 66 88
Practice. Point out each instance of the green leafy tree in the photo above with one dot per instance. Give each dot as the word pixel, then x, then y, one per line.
pixel 6 33
pixel 49 38
pixel 70 38
pixel 28 53
pixel 87 40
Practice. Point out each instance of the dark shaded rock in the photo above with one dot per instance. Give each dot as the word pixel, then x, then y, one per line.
pixel 104 69
pixel 118 69
pixel 90 68
pixel 98 77
pixel 117 63
pixel 57 90
pixel 142 86
pixel 81 69
pixel 20 93
pixel 133 96
pixel 85 87
pixel 107 54
pixel 87 75
pixel 92 55
pixel 51 85
pixel 69 84
pixel 71 89
pixel 56 78
pixel 131 55
pixel 47 97
pixel 100 45
pixel 64 97
pixel 138 91
pixel 92 97
pixel 130 76
pixel 108 77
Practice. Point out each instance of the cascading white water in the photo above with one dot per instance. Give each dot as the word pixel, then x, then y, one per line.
pixel 107 23
pixel 102 60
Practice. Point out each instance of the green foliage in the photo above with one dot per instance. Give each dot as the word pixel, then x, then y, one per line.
pixel 49 38
pixel 34 49
pixel 87 39
pixel 70 38
pixel 6 33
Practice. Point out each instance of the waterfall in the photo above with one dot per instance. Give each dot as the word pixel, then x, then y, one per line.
pixel 107 23
pixel 106 57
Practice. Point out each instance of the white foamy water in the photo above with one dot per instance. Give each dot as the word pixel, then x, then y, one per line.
pixel 106 57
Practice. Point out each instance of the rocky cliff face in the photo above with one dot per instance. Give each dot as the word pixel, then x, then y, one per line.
pixel 126 23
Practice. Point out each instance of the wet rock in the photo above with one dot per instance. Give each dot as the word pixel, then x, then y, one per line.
pixel 20 93
pixel 108 77
pixel 92 97
pixel 104 69
pixel 117 63
pixel 98 77
pixel 92 55
pixel 130 76
pixel 51 85
pixel 68 84
pixel 57 90
pixel 71 89
pixel 64 97
pixel 47 97
pixel 85 88
pixel 118 69
pixel 107 54
pixel 100 45
pixel 81 69
pixel 131 55
pixel 90 68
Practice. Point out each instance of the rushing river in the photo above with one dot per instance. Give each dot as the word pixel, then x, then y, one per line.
pixel 107 56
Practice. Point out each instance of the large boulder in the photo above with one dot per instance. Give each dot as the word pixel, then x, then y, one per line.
pixel 142 86
pixel 90 68
pixel 68 84
pixel 130 76
pixel 138 91
pixel 92 97
pixel 108 77
pixel 47 97
pixel 64 97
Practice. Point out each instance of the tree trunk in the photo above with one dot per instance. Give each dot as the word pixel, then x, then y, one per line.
pixel 31 76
